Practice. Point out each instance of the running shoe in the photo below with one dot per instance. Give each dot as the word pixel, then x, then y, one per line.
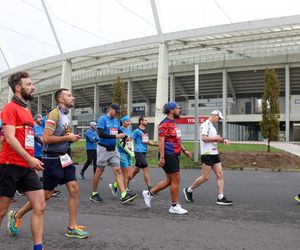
pixel 224 202
pixel 147 198
pixel 19 193
pixel 177 209
pixel 128 197
pixel 77 233
pixel 297 198
pixel 96 198
pixel 81 175
pixel 113 190
pixel 188 195
pixel 13 223
pixel 55 193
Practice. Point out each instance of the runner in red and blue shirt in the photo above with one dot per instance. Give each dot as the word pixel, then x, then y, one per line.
pixel 170 147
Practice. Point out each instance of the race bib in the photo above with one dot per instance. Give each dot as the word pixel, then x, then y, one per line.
pixel 113 131
pixel 178 132
pixel 65 160
pixel 214 147
pixel 29 138
pixel 145 138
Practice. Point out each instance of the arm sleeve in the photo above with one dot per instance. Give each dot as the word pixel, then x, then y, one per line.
pixel 52 120
pixel 204 129
pixel 8 116
pixel 163 129
pixel 134 134
pixel 90 136
pixel 103 135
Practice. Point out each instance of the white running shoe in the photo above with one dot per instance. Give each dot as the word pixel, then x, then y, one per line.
pixel 147 198
pixel 177 210
pixel 113 190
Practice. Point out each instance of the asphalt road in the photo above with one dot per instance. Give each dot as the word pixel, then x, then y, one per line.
pixel 264 216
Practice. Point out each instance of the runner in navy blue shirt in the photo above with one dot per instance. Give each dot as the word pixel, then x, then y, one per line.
pixel 141 141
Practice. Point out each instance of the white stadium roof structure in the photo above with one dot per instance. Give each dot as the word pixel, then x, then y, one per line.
pixel 254 41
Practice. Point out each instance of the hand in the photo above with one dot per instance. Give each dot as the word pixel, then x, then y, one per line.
pixel 188 153
pixel 36 164
pixel 218 138
pixel 161 162
pixel 121 135
pixel 226 142
pixel 73 138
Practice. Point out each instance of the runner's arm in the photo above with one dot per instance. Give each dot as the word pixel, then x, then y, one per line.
pixel 50 138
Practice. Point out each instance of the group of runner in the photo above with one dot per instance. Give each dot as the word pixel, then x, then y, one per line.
pixel 109 143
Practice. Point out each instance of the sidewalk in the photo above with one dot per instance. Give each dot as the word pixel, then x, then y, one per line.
pixel 291 147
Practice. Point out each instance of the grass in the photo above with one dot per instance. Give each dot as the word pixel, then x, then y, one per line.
pixel 79 153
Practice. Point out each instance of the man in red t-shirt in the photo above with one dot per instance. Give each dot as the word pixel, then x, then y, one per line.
pixel 170 147
pixel 17 163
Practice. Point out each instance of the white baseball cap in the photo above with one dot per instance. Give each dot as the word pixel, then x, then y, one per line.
pixel 218 113
pixel 93 124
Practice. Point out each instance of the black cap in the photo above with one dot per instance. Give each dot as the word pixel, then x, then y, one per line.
pixel 116 107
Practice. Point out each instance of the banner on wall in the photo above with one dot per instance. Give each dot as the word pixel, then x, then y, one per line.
pixel 191 120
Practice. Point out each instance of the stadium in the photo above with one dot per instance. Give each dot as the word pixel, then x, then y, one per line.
pixel 231 59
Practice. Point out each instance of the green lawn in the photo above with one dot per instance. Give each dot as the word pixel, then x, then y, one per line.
pixel 79 153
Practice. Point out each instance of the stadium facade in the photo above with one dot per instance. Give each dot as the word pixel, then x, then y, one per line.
pixel 231 58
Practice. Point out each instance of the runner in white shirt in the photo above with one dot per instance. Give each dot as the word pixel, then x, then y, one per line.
pixel 210 159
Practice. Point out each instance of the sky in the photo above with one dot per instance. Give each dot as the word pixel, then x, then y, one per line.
pixel 26 34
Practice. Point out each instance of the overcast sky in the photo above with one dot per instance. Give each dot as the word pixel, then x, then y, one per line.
pixel 26 34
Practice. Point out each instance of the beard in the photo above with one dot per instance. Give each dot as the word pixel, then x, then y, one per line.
pixel 177 116
pixel 26 96
pixel 69 105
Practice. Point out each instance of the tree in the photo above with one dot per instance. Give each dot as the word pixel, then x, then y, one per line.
pixel 270 107
pixel 119 95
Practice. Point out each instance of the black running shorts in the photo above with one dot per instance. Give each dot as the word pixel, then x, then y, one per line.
pixel 14 178
pixel 54 174
pixel 171 164
pixel 210 160
pixel 140 160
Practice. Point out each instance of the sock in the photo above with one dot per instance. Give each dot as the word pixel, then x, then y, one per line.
pixel 173 204
pixel 190 190
pixel 149 187
pixel 123 194
pixel 38 247
pixel 220 196
pixel 115 185
pixel 94 193
pixel 151 193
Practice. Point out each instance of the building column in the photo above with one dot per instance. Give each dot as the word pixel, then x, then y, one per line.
pixel 172 88
pixel 66 82
pixel 129 97
pixel 96 102
pixel 66 75
pixel 53 101
pixel 39 104
pixel 224 97
pixel 10 94
pixel 287 102
pixel 162 86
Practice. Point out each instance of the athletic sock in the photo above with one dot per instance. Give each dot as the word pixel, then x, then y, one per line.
pixel 123 194
pixel 38 247
pixel 94 193
pixel 115 185
pixel 220 196
pixel 151 193
pixel 190 190
pixel 173 204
